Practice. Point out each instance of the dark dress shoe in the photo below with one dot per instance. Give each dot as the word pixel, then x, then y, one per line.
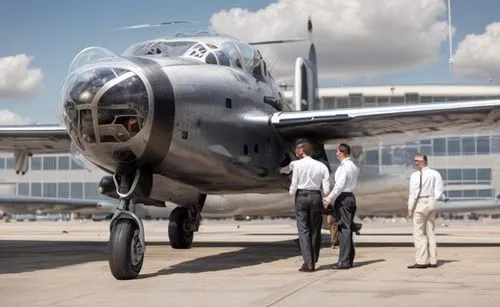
pixel 417 266
pixel 306 269
pixel 341 267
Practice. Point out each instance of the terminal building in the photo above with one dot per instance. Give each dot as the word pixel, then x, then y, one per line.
pixel 466 162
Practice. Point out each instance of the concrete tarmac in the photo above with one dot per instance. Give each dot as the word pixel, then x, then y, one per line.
pixel 247 264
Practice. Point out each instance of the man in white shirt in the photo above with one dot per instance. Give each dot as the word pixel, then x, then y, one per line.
pixel 308 178
pixel 344 206
pixel 426 186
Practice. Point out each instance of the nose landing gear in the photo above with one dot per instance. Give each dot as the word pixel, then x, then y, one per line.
pixel 126 241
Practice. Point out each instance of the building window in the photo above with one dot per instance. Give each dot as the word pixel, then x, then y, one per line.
pixel 63 163
pixel 454 148
pixel 483 145
pixel 91 190
pixel 10 163
pixel 412 98
pixel 36 189
pixel 75 165
pixel 484 174
pixel 370 101
pixel 2 163
pixel 495 144
pixel 371 157
pixel 485 193
pixel 23 189
pixel 329 102
pixel 36 163
pixel 397 100
pixel 76 190
pixel 342 103
pixel 63 190
pixel 468 146
pixel 50 163
pixel 439 147
pixel 355 100
pixel 49 190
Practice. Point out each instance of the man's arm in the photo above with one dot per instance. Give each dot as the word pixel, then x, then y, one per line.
pixel 295 182
pixel 326 181
pixel 337 188
pixel 438 188
pixel 411 194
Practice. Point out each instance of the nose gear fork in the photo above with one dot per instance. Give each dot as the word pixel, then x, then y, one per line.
pixel 127 240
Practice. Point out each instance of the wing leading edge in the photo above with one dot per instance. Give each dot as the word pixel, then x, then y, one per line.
pixel 370 126
pixel 55 205
pixel 35 139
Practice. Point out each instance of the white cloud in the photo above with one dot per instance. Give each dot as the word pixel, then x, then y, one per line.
pixel 17 80
pixel 10 118
pixel 478 56
pixel 353 38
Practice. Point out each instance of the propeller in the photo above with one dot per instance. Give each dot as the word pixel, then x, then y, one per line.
pixel 149 25
pixel 280 41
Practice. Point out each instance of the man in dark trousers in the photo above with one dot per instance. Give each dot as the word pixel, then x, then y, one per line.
pixel 344 206
pixel 308 178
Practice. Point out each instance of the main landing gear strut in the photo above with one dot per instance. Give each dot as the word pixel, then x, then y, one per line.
pixel 126 242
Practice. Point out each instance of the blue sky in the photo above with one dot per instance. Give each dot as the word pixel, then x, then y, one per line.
pixel 53 32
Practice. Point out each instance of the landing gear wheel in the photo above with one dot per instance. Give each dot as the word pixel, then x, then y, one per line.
pixel 178 235
pixel 125 255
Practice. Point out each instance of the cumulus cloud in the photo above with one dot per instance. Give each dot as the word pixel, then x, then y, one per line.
pixel 478 56
pixel 17 80
pixel 10 118
pixel 353 38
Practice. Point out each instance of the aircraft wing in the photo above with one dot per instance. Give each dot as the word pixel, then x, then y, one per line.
pixel 34 139
pixel 469 205
pixel 370 126
pixel 13 204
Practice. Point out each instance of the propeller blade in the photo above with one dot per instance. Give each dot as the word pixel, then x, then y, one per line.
pixel 280 41
pixel 149 25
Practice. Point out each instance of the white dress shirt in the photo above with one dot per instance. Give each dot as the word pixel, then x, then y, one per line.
pixel 309 174
pixel 346 177
pixel 432 185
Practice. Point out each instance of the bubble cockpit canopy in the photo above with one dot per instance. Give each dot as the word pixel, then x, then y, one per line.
pixel 209 49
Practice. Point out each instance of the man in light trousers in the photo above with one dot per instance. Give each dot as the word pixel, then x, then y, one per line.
pixel 426 186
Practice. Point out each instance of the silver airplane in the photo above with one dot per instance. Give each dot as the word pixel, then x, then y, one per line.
pixel 178 118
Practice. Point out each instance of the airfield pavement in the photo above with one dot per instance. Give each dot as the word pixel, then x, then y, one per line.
pixel 245 263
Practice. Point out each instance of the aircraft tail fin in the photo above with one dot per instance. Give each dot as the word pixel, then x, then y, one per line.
pixel 305 95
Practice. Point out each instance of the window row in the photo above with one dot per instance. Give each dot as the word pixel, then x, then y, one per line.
pixel 357 100
pixel 466 175
pixel 447 146
pixel 77 190
pixel 44 163
pixel 466 194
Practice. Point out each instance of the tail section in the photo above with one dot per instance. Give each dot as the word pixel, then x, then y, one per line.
pixel 305 95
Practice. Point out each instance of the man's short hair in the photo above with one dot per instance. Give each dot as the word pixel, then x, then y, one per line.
pixel 345 149
pixel 305 145
pixel 422 155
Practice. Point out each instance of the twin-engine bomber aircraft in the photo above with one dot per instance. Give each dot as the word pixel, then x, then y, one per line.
pixel 174 119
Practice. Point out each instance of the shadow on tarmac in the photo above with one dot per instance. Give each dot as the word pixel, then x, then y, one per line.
pixel 28 256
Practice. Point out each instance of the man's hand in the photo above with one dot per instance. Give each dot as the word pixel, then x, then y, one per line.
pixel 410 213
pixel 326 202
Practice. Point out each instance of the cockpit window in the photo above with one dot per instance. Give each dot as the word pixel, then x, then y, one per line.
pixel 223 59
pixel 210 59
pixel 159 48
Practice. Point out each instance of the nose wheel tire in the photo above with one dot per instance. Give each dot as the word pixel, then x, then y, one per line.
pixel 180 236
pixel 125 253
